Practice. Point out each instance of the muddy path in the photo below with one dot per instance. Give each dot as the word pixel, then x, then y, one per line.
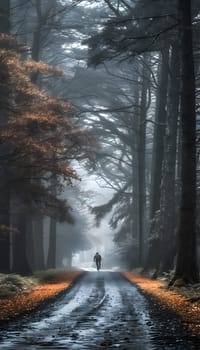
pixel 101 311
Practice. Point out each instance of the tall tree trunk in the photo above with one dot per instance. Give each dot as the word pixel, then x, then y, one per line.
pixel 4 185
pixel 51 259
pixel 30 243
pixel 38 244
pixel 186 266
pixel 37 225
pixel 4 220
pixel 168 207
pixel 20 260
pixel 69 259
pixel 35 246
pixel 159 133
pixel 142 158
pixel 153 256
pixel 134 200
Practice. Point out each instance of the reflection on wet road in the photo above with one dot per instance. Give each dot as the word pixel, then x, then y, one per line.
pixel 101 311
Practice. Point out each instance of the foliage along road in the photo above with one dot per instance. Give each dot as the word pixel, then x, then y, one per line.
pixel 102 310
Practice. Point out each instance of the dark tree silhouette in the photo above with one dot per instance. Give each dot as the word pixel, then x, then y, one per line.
pixel 186 266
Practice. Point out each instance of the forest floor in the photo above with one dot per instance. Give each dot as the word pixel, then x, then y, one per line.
pixel 183 300
pixel 20 295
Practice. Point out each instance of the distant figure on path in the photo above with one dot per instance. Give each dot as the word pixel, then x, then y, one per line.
pixel 97 260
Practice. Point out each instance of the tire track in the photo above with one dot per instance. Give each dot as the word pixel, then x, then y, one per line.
pixel 102 310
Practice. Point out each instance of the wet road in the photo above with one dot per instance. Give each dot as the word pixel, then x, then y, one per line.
pixel 101 311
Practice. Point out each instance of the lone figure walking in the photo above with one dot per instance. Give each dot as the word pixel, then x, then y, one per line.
pixel 97 260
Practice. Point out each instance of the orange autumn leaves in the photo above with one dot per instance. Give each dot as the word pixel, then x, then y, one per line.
pixel 39 131
pixel 35 125
pixel 173 299
pixel 12 307
pixel 40 135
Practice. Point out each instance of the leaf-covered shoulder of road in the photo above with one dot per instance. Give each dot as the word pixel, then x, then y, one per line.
pixel 184 300
pixel 19 294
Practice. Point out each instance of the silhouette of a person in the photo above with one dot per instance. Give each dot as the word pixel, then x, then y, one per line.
pixel 97 260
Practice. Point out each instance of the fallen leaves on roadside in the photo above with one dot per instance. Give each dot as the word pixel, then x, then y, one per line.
pixel 11 307
pixel 175 299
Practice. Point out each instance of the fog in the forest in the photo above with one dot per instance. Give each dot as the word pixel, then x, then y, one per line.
pixel 96 239
pixel 94 148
